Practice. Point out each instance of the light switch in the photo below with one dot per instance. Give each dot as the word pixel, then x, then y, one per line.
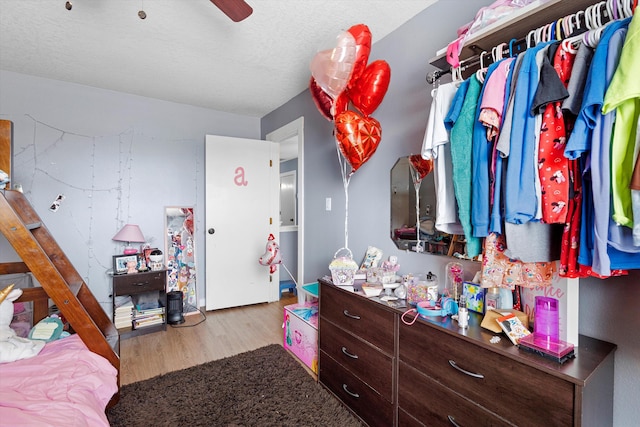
pixel 328 204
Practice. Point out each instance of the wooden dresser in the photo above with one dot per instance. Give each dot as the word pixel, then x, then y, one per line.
pixel 432 373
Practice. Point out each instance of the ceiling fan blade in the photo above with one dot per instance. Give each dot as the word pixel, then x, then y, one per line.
pixel 237 10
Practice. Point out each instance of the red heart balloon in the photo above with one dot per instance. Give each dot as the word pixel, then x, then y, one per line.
pixel 322 99
pixel 358 137
pixel 422 166
pixel 340 104
pixel 362 35
pixel 368 91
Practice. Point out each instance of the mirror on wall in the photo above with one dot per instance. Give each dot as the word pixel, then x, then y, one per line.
pixel 288 199
pixel 410 199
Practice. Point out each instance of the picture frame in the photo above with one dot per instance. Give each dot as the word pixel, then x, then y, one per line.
pixel 474 294
pixel 120 262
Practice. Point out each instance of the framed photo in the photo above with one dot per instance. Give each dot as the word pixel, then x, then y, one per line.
pixel 120 263
pixel 475 296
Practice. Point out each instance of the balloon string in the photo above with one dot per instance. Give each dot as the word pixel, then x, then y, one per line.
pixel 346 178
pixel 416 186
pixel 290 275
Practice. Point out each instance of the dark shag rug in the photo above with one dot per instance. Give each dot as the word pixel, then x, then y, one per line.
pixel 263 387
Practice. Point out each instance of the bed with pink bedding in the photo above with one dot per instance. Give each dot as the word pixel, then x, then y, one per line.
pixel 64 385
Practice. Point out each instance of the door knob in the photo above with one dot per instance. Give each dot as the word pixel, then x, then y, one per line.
pixel 211 231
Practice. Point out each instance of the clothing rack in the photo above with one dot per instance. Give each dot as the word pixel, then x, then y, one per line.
pixel 572 25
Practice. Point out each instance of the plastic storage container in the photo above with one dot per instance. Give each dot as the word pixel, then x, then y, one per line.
pixel 422 287
pixel 547 319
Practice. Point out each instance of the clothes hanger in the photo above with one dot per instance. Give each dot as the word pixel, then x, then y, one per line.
pixel 511 43
pixel 596 18
pixel 481 73
pixel 559 29
pixel 628 8
pixel 567 26
pixel 531 39
pixel 577 16
pixel 587 18
pixel 497 52
pixel 612 11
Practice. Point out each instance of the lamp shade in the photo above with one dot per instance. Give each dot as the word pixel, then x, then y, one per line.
pixel 129 233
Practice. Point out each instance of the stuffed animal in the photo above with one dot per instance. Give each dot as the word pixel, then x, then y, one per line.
pixel 13 347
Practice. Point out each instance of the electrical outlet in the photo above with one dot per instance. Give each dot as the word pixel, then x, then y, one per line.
pixel 327 204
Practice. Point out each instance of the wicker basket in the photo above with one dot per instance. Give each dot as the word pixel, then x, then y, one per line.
pixel 343 268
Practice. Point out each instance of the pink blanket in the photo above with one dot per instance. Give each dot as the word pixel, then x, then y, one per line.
pixel 64 385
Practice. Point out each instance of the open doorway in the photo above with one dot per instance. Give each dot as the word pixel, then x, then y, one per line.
pixel 291 139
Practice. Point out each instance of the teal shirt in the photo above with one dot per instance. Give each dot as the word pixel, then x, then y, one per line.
pixel 461 149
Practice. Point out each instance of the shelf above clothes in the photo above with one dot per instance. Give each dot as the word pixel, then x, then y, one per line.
pixel 514 26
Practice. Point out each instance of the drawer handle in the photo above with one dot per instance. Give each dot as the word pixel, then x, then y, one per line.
pixel 353 356
pixel 453 421
pixel 471 374
pixel 352 394
pixel 141 284
pixel 353 316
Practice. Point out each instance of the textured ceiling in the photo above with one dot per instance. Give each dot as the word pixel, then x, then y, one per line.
pixel 187 51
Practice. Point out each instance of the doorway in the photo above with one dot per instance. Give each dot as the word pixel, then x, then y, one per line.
pixel 291 140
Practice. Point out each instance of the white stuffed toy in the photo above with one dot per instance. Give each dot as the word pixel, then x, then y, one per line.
pixel 13 347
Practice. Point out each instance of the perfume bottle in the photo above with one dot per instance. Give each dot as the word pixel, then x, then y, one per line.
pixel 492 299
pixel 463 313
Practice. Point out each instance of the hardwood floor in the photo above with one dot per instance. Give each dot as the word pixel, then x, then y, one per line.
pixel 224 333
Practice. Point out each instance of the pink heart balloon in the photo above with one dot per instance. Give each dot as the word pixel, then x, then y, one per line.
pixel 332 68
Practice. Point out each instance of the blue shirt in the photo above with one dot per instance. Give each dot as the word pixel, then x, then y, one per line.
pixel 520 189
pixel 480 161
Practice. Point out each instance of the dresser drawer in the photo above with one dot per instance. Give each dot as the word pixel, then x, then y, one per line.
pixel 535 397
pixel 128 284
pixel 424 402
pixel 362 359
pixel 363 318
pixel 355 394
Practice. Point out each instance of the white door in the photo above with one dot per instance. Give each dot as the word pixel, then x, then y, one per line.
pixel 242 209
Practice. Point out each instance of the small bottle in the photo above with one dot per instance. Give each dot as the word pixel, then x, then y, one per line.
pixel 463 313
pixel 492 299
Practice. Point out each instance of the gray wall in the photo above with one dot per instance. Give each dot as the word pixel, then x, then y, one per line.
pixel 607 308
pixel 117 159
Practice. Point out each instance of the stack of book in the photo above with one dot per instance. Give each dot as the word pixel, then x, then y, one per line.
pixel 147 312
pixel 123 313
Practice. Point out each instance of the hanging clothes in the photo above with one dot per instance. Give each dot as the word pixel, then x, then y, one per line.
pixel 553 166
pixel 519 193
pixel 491 113
pixel 481 165
pixel 623 96
pixel 460 121
pixel 436 146
pixel 591 134
pixel 498 270
pixel 542 160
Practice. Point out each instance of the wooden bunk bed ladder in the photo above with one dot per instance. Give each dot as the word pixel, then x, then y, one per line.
pixel 44 258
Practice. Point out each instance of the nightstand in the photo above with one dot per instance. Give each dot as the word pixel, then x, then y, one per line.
pixel 142 285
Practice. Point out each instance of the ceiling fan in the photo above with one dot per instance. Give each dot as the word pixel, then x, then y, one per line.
pixel 237 10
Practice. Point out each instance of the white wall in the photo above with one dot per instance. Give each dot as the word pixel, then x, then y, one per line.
pixel 117 159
